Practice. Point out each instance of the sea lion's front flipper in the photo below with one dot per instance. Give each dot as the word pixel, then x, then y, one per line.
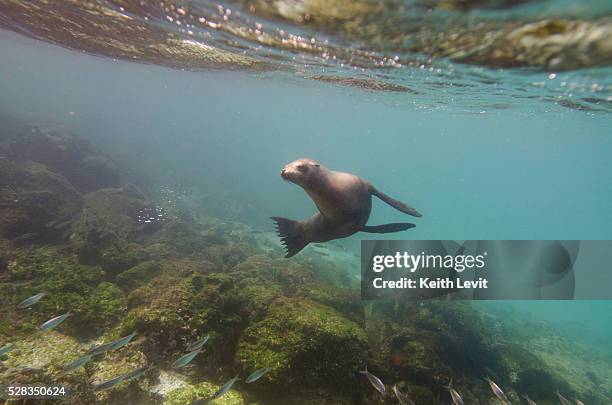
pixel 388 228
pixel 398 205
pixel 290 233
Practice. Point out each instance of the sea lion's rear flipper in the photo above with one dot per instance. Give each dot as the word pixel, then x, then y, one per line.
pixel 398 205
pixel 388 228
pixel 290 233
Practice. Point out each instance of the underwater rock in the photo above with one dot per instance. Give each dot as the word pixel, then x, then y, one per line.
pixel 193 54
pixel 261 279
pixel 549 44
pixel 138 275
pixel 172 310
pixel 85 167
pixel 420 346
pixel 32 197
pixel 168 381
pixel 118 363
pixel 372 33
pixel 226 257
pixel 164 312
pixel 305 344
pixel 464 5
pixel 182 236
pixel 4 259
pixel 203 390
pixel 109 226
pixel 109 29
pixel 552 44
pixel 417 355
pixel 10 126
pixel 40 351
pixel 40 359
pixel 364 83
pixel 68 286
pixel 321 13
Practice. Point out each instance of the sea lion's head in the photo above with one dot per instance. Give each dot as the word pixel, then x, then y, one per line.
pixel 303 172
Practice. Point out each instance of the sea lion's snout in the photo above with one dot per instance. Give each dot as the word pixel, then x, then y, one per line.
pixel 301 172
pixel 285 174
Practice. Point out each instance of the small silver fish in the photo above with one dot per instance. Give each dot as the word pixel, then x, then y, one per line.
pixel 375 381
pixel 496 390
pixel 457 400
pixel 103 348
pixel 197 345
pixel 224 388
pixel 25 236
pixel 562 399
pixel 529 400
pixel 109 384
pixel 28 302
pixel 403 399
pixel 579 402
pixel 184 360
pixel 61 225
pixel 115 344
pixel 257 374
pixel 135 373
pixel 6 348
pixel 78 363
pixel 54 322
pixel 119 343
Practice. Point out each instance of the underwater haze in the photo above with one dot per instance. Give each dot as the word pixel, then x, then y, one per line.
pixel 141 146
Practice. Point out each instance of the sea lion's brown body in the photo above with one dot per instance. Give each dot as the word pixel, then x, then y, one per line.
pixel 344 202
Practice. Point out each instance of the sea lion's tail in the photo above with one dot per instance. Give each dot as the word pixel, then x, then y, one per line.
pixel 290 233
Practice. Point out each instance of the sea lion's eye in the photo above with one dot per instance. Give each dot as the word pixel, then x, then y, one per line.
pixel 302 168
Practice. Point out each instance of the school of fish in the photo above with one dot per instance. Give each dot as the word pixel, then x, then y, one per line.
pixel 192 351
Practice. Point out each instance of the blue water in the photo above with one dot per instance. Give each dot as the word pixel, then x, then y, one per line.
pixel 477 163
pixel 531 172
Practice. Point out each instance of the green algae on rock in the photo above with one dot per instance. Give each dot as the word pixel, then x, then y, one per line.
pixel 40 359
pixel 138 275
pixel 108 227
pixel 31 196
pixel 114 364
pixel 203 390
pixel 42 350
pixel 68 286
pixel 71 156
pixel 304 343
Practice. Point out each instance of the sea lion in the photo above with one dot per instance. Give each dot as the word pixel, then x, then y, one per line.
pixel 344 202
